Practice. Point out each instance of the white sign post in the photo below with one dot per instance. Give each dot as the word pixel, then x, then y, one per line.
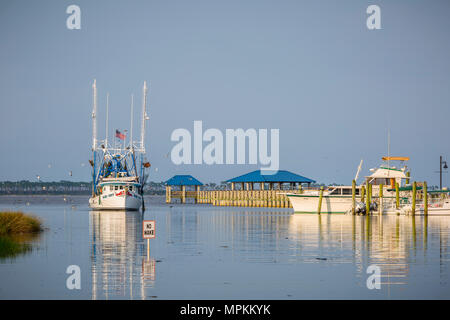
pixel 148 232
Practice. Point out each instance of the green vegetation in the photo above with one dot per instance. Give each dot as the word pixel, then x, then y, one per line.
pixel 15 229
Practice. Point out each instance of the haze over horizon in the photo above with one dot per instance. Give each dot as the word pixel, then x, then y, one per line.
pixel 312 70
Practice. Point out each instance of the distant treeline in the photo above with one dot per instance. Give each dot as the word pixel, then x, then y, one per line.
pixel 63 187
pixel 81 187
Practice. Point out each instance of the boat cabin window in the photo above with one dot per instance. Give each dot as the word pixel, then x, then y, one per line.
pixel 131 188
pixel 121 187
pixel 116 187
pixel 111 188
pixel 379 181
pixel 344 191
pixel 347 191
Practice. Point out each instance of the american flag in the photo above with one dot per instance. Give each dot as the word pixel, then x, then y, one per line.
pixel 120 135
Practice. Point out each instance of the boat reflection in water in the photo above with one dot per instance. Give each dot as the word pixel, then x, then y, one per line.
pixel 226 253
pixel 393 243
pixel 119 265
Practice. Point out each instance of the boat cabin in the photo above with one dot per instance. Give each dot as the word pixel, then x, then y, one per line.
pixel 113 187
pixel 389 175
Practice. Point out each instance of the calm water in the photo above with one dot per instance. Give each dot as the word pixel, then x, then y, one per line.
pixel 205 252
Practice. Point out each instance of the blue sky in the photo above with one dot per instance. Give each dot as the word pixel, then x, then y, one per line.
pixel 311 69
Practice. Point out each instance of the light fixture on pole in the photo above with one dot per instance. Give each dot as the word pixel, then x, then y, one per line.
pixel 440 170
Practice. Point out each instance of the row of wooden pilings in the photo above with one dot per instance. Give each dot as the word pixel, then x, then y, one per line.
pixel 246 198
pixel 367 197
pixel 237 198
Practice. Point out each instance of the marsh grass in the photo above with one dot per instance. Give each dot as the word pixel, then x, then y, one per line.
pixel 15 229
pixel 9 248
pixel 12 223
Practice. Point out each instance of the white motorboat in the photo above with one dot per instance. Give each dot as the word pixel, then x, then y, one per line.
pixel 335 200
pixel 338 199
pixel 436 206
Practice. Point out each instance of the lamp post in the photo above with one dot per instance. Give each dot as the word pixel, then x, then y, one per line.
pixel 440 170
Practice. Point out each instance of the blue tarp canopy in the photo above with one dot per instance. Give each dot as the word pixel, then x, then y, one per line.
pixel 280 176
pixel 183 180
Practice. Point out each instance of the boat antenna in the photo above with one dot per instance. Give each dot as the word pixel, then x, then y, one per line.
pixel 389 149
pixel 94 115
pixel 131 125
pixel 107 112
pixel 144 115
pixel 359 169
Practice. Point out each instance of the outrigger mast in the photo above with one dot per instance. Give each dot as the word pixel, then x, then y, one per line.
pixel 144 116
pixel 94 115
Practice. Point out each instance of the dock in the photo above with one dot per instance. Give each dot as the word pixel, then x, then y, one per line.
pixel 253 189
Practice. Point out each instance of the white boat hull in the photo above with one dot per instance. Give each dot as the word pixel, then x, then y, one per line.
pixel 435 209
pixel 436 212
pixel 310 203
pixel 122 202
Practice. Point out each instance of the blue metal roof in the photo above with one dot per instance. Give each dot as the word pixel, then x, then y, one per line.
pixel 183 180
pixel 280 176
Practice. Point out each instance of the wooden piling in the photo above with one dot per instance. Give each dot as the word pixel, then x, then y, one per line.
pixel 397 196
pixel 425 198
pixel 168 194
pixel 380 200
pixel 353 196
pixel 320 200
pixel 197 197
pixel 367 198
pixel 414 189
pixel 183 194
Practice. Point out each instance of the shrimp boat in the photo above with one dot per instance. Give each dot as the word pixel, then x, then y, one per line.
pixel 118 170
pixel 338 199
